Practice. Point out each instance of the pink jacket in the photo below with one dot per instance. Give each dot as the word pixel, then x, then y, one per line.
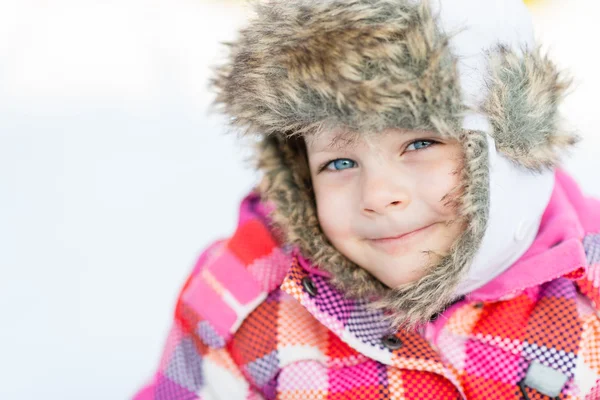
pixel 256 321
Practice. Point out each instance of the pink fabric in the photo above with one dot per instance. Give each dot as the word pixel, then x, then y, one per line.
pixel 203 258
pixel 210 305
pixel 233 276
pixel 308 267
pixel 587 208
pixel 146 393
pixel 252 206
pixel 557 249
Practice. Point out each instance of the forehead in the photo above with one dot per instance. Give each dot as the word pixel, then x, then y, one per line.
pixel 331 140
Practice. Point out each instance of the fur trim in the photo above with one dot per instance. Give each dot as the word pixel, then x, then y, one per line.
pixel 522 106
pixel 364 65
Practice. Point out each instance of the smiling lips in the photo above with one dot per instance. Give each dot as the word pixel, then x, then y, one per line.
pixel 392 244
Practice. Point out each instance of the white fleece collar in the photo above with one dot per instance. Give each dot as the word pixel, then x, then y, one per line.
pixel 518 199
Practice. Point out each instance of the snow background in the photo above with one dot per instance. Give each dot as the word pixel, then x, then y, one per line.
pixel 113 177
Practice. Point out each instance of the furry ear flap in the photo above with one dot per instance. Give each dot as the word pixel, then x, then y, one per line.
pixel 522 106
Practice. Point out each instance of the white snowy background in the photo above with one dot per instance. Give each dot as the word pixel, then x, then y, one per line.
pixel 113 177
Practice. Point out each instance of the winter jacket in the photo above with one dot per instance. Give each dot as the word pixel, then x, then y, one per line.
pixel 257 321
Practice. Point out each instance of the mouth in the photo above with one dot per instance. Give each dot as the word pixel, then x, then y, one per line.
pixel 394 243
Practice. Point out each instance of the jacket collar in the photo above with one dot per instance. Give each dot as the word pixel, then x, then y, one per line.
pixel 362 328
pixel 556 251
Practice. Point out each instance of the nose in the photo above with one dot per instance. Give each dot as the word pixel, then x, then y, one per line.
pixel 382 194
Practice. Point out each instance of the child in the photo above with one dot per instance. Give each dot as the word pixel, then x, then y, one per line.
pixel 412 236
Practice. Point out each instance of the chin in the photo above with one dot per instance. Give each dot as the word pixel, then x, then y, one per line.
pixel 393 271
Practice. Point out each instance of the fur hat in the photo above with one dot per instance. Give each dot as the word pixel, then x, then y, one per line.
pixel 468 69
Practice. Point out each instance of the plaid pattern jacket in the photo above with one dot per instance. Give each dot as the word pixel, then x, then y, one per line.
pixel 256 321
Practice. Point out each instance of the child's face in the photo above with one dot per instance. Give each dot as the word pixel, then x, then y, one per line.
pixel 367 192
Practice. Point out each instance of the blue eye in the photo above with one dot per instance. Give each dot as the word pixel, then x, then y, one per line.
pixel 419 144
pixel 341 163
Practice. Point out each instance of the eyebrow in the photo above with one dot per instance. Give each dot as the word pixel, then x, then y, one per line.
pixel 337 143
pixel 344 140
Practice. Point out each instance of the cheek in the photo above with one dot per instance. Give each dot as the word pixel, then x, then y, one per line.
pixel 327 212
pixel 332 214
pixel 437 181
